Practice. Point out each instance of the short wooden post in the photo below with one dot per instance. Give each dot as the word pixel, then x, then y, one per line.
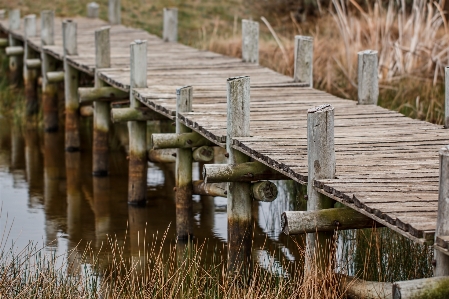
pixel 303 59
pixel 49 90
pixel 15 62
pixel 321 165
pixel 101 109
pixel 239 197
pixel 184 159
pixel 170 30
pixel 71 76
pixel 114 14
pixel 442 260
pixel 446 102
pixel 250 41
pixel 138 164
pixel 368 81
pixel 93 10
pixel 30 75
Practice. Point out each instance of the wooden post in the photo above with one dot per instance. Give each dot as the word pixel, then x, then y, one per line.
pixel 368 81
pixel 30 75
pixel 93 10
pixel 184 159
pixel 71 76
pixel 446 102
pixel 170 29
pixel 15 62
pixel 101 109
pixel 303 59
pixel 442 260
pixel 321 165
pixel 239 198
pixel 114 14
pixel 138 165
pixel 250 41
pixel 49 90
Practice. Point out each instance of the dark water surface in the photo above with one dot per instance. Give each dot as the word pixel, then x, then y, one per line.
pixel 49 197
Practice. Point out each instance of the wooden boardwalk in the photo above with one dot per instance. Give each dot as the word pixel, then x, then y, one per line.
pixel 387 164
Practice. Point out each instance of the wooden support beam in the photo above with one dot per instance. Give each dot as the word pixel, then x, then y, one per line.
pixel 358 288
pixel 264 191
pixel 170 29
pixel 14 19
pixel 442 229
pixel 93 10
pixel 303 60
pixel 135 114
pixel 321 165
pixel 243 172
pixel 209 189
pixel 368 80
pixel 14 51
pixel 114 12
pixel 49 90
pixel 71 81
pixel 328 220
pixel 166 155
pixel 2 14
pixel 55 77
pixel 203 154
pixel 30 75
pixel 102 114
pixel 33 64
pixel 446 97
pixel 4 42
pixel 434 287
pixel 182 140
pixel 239 197
pixel 184 159
pixel 15 62
pixel 101 94
pixel 138 166
pixel 250 41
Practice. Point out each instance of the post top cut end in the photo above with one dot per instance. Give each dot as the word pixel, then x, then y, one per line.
pixel 237 78
pixel 303 37
pixel 368 52
pixel 444 151
pixel 178 90
pixel 321 108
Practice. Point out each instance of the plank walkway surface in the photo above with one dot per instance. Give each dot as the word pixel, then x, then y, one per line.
pixel 387 164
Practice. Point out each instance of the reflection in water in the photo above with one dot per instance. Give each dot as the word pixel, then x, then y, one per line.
pixel 61 205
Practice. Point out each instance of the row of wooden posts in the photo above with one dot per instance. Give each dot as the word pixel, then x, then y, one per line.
pixel 240 180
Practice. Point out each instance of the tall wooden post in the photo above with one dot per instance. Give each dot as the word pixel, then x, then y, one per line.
pixel 15 62
pixel 170 30
pixel 93 10
pixel 321 165
pixel 71 77
pixel 184 205
pixel 250 41
pixel 114 14
pixel 446 102
pixel 368 81
pixel 442 260
pixel 49 90
pixel 102 113
pixel 303 59
pixel 30 75
pixel 239 198
pixel 138 164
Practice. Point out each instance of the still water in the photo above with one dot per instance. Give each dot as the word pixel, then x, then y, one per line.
pixel 49 197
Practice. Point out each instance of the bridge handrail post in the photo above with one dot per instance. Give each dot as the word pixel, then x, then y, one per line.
pixel 102 113
pixel 303 60
pixel 442 229
pixel 49 90
pixel 114 12
pixel 15 62
pixel 30 75
pixel 184 159
pixel 93 10
pixel 138 164
pixel 250 41
pixel 368 79
pixel 321 165
pixel 71 77
pixel 170 25
pixel 239 198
